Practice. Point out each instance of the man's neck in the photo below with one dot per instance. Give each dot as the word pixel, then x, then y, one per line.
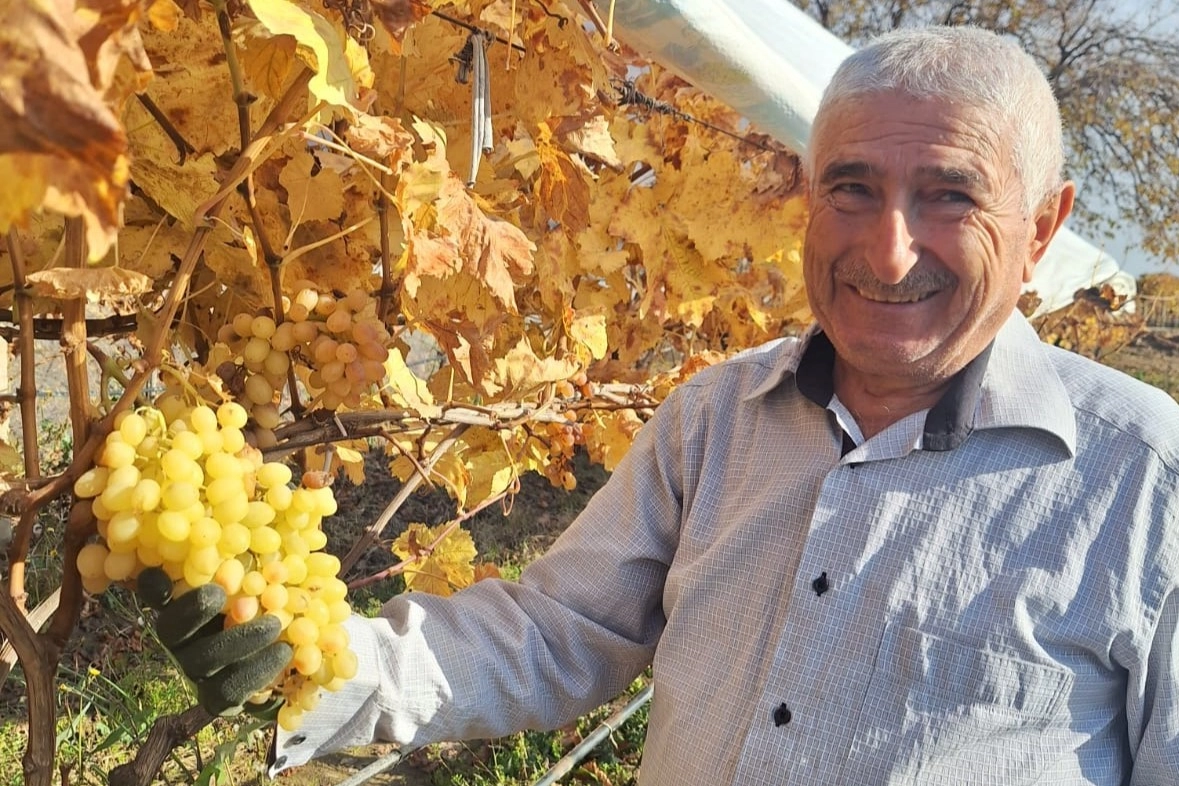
pixel 878 402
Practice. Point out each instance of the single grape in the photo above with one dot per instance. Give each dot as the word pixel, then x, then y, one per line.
pixel 232 415
pixel 132 427
pixel 203 419
pixel 274 597
pixel 263 326
pixel 90 560
pixel 302 631
pixel 307 659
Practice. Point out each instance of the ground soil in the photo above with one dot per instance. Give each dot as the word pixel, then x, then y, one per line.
pixel 1153 357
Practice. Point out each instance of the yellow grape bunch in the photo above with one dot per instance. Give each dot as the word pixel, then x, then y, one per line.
pixel 177 487
pixel 341 343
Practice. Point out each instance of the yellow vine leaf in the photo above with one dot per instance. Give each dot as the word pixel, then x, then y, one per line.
pixel 380 138
pixel 320 46
pixel 440 570
pixel 317 197
pixel 495 251
pixel 266 59
pixel 492 474
pixel 591 138
pixel 406 388
pixel 521 371
pixel 397 16
pixel 95 284
pixel 61 146
pixel 192 85
pixel 562 186
pixel 11 463
pixel 179 190
pixel 608 436
pixel 588 328
pixel 236 269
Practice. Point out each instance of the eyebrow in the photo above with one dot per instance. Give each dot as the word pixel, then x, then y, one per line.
pixel 859 170
pixel 953 176
pixel 839 170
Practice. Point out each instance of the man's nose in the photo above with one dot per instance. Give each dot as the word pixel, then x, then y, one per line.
pixel 892 253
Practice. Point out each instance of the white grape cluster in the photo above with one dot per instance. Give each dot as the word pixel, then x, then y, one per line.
pixel 177 487
pixel 348 355
pixel 340 342
pixel 245 349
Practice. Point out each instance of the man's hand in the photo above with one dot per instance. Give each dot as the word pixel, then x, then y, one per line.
pixel 228 666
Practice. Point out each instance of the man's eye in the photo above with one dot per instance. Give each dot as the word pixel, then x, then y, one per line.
pixel 954 197
pixel 849 188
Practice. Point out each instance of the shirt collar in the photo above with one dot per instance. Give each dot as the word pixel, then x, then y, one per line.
pixel 1011 384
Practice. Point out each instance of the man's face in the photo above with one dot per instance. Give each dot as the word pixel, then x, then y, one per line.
pixel 918 241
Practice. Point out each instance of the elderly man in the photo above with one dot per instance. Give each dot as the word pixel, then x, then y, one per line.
pixel 914 546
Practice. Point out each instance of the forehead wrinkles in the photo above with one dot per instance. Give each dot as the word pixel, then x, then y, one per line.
pixel 874 130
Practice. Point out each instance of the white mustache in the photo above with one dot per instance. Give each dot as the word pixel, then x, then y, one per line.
pixel 919 283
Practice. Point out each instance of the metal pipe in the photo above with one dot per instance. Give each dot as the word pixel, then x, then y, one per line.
pixel 605 729
pixel 386 762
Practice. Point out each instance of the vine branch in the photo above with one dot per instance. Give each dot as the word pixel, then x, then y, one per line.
pixel 28 375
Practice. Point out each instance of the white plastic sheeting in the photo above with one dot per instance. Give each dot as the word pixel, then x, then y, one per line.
pixel 770 61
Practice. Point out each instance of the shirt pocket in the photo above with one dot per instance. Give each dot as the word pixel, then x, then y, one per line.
pixel 937 712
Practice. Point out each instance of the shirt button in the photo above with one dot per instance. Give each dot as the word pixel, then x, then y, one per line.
pixel 280 761
pixel 782 715
pixel 298 739
pixel 821 585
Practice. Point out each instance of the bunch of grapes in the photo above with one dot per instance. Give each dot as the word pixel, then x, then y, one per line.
pixel 339 341
pixel 552 445
pixel 177 487
pixel 348 353
pixel 248 357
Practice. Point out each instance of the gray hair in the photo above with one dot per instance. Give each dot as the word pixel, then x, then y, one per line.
pixel 968 66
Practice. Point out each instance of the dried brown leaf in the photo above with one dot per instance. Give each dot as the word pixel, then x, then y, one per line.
pixel 397 16
pixel 61 146
pixel 96 285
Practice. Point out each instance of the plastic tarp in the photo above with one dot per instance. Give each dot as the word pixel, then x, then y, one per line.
pixel 770 61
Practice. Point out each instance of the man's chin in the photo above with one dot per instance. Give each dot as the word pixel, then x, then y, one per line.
pixel 898 361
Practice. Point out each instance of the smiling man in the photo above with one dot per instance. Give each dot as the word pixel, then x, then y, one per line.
pixel 913 546
pixel 932 201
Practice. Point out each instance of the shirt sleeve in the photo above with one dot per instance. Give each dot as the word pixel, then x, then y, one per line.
pixel 1153 710
pixel 503 656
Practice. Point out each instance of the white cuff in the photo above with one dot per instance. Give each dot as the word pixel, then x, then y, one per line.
pixel 333 725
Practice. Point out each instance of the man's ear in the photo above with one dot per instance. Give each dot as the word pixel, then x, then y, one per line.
pixel 1045 223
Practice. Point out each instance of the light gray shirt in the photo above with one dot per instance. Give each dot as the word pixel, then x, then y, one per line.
pixel 1001 612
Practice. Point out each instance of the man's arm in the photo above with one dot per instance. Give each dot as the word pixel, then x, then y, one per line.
pixel 1152 705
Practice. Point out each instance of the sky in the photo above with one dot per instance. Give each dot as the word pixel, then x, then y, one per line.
pixel 1125 246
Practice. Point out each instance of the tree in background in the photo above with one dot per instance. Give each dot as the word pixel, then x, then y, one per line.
pixel 1115 71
